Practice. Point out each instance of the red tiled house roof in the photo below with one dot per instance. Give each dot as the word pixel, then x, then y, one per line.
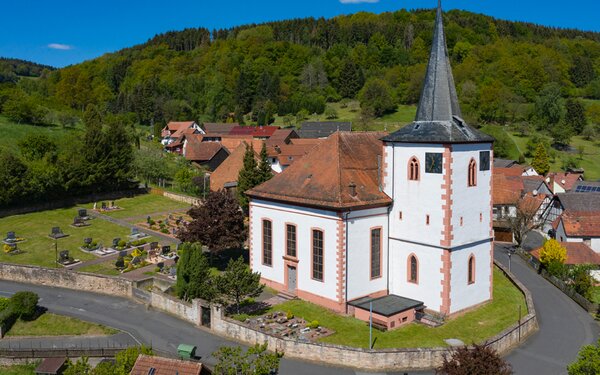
pixel 173 126
pixel 577 253
pixel 219 128
pixel 506 189
pixel 254 131
pixel 324 176
pixel 196 150
pixel 164 366
pixel 566 180
pixel 581 224
pixel 229 170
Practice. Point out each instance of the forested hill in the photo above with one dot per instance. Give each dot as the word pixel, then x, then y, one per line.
pixel 295 67
pixel 11 69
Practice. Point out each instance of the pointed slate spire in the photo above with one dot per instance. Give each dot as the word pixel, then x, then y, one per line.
pixel 438 118
pixel 438 98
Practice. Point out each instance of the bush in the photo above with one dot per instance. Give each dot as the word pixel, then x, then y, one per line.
pixel 314 324
pixel 122 243
pixel 289 315
pixel 7 318
pixel 556 269
pixel 4 302
pixel 583 284
pixel 164 230
pixel 24 304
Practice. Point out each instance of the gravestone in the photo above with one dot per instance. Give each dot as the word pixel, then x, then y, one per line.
pixel 87 240
pixel 166 249
pixel 135 231
pixel 160 265
pixel 153 245
pixel 63 256
pixel 135 261
pixel 78 221
pixel 173 271
pixel 115 242
pixel 56 230
pixel 82 213
pixel 104 205
pixel 11 236
pixel 122 253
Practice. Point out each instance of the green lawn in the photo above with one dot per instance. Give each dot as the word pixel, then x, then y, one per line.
pixel 19 369
pixel 104 268
pixel 39 248
pixel 141 206
pixel 13 132
pixel 475 326
pixel 58 325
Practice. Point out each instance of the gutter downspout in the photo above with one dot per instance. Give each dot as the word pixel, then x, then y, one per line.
pixel 389 210
pixel 347 260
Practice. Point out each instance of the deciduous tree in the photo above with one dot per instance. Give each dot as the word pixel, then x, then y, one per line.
pixel 480 360
pixel 238 282
pixel 256 361
pixel 552 252
pixel 525 219
pixel 588 361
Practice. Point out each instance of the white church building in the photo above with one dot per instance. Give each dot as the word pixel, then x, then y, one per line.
pixel 400 222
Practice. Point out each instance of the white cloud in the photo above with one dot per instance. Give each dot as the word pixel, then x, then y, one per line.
pixel 63 47
pixel 358 1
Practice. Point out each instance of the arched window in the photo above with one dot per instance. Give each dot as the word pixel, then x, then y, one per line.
pixel 413 269
pixel 472 173
pixel 471 269
pixel 413 169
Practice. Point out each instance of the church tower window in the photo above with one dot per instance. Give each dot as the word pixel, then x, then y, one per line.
pixel 471 269
pixel 413 169
pixel 472 173
pixel 413 269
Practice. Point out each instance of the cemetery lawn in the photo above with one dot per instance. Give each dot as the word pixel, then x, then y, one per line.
pixel 39 248
pixel 475 326
pixel 139 207
pixel 58 325
pixel 28 369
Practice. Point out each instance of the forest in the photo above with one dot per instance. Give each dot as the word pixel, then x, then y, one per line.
pixel 538 79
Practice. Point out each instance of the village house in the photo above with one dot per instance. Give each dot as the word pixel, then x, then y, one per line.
pixel 174 129
pixel 400 222
pixel 577 253
pixel 562 182
pixel 322 129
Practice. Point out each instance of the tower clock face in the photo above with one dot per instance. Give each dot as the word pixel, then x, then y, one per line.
pixel 433 162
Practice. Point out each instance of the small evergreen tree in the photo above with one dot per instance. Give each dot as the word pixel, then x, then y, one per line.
pixel 264 167
pixel 540 160
pixel 238 282
pixel 193 274
pixel 248 177
pixel 575 115
pixel 588 361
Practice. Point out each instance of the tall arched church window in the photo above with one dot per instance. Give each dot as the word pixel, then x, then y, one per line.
pixel 413 169
pixel 472 173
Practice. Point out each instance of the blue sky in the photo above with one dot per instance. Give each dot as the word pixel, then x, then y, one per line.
pixel 61 32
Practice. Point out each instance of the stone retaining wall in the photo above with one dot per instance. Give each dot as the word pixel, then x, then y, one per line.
pixel 195 201
pixel 64 278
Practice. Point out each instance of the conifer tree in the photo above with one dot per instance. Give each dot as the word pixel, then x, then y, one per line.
pixel 193 274
pixel 540 160
pixel 575 115
pixel 248 177
pixel 264 167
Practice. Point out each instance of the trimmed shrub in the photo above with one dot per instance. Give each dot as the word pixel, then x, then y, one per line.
pixel 314 324
pixel 24 304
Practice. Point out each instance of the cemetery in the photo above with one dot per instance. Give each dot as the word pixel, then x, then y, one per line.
pixel 286 325
pixel 169 224
pixel 139 207
pixel 35 238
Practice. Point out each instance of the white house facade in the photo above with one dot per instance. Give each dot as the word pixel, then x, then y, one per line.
pixel 400 223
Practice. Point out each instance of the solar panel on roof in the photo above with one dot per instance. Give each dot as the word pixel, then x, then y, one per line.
pixel 578 189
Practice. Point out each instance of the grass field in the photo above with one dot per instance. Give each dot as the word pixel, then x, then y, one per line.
pixel 28 369
pixel 39 248
pixel 13 132
pixel 58 325
pixel 139 207
pixel 104 268
pixel 475 326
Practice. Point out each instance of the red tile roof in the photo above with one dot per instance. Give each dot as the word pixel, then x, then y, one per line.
pixel 515 170
pixel 196 150
pixel 254 131
pixel 577 253
pixel 219 128
pixel 288 154
pixel 165 366
pixel 281 137
pixel 324 176
pixel 506 190
pixel 229 170
pixel 581 223
pixel 566 180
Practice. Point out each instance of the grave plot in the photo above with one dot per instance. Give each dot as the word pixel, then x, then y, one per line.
pixel 282 325
pixel 81 220
pixel 65 260
pixel 105 207
pixel 170 224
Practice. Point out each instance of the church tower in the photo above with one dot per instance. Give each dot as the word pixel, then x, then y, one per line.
pixel 438 172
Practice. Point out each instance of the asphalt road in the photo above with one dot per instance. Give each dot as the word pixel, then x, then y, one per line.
pixel 564 326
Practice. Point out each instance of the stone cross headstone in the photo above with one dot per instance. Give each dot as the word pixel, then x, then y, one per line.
pixel 166 249
pixel 82 212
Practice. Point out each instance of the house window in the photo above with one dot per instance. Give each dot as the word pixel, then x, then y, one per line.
pixel 413 169
pixel 413 269
pixel 480 217
pixel 400 215
pixel 267 243
pixel 290 235
pixel 472 173
pixel 375 253
pixel 317 254
pixel 484 160
pixel 471 269
pixel 461 221
pixel 427 219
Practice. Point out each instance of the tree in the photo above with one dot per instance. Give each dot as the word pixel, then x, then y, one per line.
pixel 588 361
pixel 376 96
pixel 12 178
pixel 193 274
pixel 524 221
pixel 256 361
pixel 549 106
pixel 540 160
pixel 351 79
pixel 248 177
pixel 81 367
pixel 238 282
pixel 36 146
pixel 582 71
pixel 552 252
pixel 24 304
pixel 575 115
pixel 264 167
pixel 479 360
pixel 217 223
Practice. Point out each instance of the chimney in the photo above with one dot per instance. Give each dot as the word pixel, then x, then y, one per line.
pixel 352 187
pixel 277 149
